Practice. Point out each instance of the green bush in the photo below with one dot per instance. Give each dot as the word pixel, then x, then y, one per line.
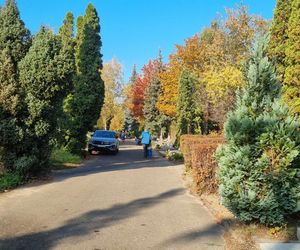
pixel 10 180
pixel 60 157
pixel 259 166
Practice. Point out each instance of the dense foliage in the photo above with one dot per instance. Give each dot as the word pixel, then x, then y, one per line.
pixel 292 59
pixel 39 90
pixel 88 94
pixel 188 113
pixel 259 165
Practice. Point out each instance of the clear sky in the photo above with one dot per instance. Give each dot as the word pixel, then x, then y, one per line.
pixel 134 30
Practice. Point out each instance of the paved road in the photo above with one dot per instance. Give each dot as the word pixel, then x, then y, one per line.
pixel 112 202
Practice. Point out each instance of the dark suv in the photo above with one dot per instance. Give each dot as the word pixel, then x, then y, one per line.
pixel 105 141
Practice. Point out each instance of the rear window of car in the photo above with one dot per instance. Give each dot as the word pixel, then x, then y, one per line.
pixel 105 134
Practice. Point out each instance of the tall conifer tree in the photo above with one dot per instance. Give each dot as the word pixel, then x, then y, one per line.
pixel 88 94
pixel 151 113
pixel 188 114
pixel 14 43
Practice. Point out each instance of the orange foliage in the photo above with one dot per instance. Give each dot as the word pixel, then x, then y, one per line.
pixel 139 88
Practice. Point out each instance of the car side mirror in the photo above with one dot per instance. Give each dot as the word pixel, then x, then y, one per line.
pixel 92 134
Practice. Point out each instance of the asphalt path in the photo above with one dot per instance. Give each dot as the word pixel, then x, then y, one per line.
pixel 118 201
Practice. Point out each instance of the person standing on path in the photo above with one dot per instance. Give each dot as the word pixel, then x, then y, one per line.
pixel 146 141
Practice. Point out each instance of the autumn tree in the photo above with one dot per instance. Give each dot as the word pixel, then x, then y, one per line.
pixel 139 89
pixel 88 96
pixel 130 122
pixel 215 57
pixel 112 76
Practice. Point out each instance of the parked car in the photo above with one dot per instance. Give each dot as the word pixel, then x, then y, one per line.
pixel 104 141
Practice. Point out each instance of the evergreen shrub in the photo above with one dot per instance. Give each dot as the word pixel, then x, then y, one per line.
pixel 259 165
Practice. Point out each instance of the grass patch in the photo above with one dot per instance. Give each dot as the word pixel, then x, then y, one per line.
pixel 10 180
pixel 61 159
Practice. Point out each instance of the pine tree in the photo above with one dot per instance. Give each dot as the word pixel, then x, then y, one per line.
pixel 279 36
pixel 43 75
pixel 88 94
pixel 258 166
pixel 187 111
pixel 292 60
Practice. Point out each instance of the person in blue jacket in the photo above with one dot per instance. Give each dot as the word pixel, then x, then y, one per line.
pixel 146 141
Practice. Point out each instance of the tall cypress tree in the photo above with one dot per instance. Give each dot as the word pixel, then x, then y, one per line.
pixel 88 94
pixel 14 43
pixel 279 36
pixel 259 164
pixel 188 114
pixel 292 60
pixel 66 35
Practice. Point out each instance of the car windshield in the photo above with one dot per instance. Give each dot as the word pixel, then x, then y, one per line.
pixel 105 134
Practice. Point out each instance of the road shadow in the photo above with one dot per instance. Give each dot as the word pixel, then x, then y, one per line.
pixel 211 237
pixel 88 223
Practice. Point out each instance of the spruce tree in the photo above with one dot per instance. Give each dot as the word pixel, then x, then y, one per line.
pixel 279 36
pixel 151 112
pixel 188 114
pixel 43 75
pixel 153 91
pixel 292 60
pixel 258 166
pixel 88 94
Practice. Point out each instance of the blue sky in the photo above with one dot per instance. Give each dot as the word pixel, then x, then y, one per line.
pixel 134 30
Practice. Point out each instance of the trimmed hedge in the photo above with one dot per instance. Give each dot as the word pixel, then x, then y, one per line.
pixel 188 143
pixel 198 152
pixel 204 167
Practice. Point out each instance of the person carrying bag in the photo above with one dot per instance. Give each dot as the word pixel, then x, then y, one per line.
pixel 146 141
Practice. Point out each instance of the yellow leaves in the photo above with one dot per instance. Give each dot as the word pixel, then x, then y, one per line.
pixel 117 121
pixel 218 82
pixel 169 85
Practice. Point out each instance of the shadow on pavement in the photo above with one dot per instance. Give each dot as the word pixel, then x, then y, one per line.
pixel 211 235
pixel 87 223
